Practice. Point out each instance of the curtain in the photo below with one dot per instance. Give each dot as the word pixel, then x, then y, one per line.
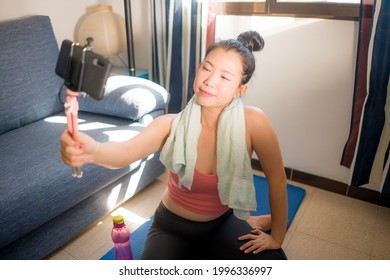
pixel 366 152
pixel 181 32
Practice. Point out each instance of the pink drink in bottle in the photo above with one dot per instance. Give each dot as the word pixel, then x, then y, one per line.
pixel 121 237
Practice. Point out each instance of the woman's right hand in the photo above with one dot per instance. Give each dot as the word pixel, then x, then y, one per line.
pixel 77 150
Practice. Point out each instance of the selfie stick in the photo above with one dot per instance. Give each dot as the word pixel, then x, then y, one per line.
pixel 71 107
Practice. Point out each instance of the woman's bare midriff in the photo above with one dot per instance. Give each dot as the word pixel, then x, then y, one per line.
pixel 184 213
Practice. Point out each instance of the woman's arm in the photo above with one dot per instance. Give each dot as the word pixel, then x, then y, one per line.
pixel 265 144
pixel 83 149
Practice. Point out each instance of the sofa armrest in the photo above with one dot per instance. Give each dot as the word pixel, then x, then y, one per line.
pixel 125 96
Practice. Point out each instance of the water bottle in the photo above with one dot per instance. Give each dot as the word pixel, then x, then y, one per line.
pixel 121 237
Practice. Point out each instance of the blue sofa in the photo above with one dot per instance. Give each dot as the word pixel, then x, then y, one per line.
pixel 41 205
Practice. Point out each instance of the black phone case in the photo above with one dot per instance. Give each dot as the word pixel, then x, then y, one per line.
pixel 96 71
pixel 82 69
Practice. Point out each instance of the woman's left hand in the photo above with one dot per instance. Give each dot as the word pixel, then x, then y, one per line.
pixel 258 241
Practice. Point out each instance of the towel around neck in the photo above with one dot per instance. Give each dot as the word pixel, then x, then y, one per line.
pixel 235 178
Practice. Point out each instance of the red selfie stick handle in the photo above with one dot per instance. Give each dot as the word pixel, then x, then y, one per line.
pixel 71 108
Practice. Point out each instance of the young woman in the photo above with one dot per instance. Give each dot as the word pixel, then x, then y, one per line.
pixel 204 212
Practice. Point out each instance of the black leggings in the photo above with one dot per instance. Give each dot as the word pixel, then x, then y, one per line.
pixel 172 237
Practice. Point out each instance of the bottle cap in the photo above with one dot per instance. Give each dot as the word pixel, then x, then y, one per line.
pixel 118 219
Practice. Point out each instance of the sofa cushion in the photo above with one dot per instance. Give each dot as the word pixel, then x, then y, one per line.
pixel 29 86
pixel 37 186
pixel 126 97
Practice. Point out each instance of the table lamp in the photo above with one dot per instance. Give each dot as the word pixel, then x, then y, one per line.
pixel 107 30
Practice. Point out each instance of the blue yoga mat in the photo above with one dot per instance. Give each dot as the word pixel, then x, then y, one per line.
pixel 295 197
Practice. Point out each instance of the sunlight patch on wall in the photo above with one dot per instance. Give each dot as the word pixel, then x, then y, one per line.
pixel 267 26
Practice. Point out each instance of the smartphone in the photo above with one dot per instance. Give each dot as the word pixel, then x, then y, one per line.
pixel 82 69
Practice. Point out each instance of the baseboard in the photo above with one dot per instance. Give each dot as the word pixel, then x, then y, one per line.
pixel 333 186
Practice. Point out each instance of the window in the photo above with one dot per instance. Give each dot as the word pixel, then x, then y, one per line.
pixel 332 9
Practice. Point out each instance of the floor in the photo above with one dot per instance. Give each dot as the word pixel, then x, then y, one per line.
pixel 327 226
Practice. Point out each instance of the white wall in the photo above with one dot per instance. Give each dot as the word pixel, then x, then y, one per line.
pixel 304 79
pixel 65 14
pixel 304 83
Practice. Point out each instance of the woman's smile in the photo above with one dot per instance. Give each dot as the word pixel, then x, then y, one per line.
pixel 206 93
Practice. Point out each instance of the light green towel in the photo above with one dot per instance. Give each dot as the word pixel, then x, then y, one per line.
pixel 235 178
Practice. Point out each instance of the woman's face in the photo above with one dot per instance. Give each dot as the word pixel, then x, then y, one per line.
pixel 218 79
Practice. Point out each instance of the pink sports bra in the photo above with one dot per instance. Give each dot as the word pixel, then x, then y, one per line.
pixel 203 198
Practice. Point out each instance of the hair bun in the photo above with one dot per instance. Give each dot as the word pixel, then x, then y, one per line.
pixel 252 40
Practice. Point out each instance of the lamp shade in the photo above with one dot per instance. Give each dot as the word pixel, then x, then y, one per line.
pixel 107 30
